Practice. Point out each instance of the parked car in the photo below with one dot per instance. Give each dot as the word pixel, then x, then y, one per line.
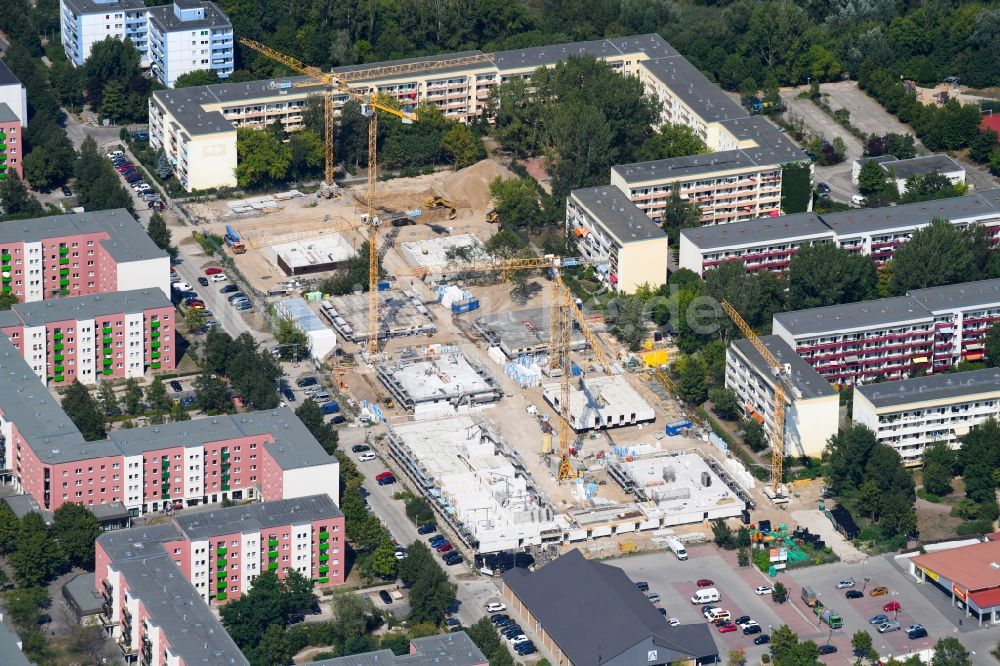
pixel 704 582
pixel 764 589
pixel 365 457
pixel 429 528
pixel 66 191
pixel 642 585
pixel 452 558
pixel 243 306
pixel 495 607
pixel 887 627
pixel 295 618
pixel 443 548
pixel 892 607
pixel 854 594
pixel 879 619
pixel 383 475
pixel 302 382
pixel 385 597
pixel 176 386
pixel 288 393
pixel 229 289
pixel 338 419
pixel 823 187
pixel 499 618
pixel 213 270
pixel 115 153
pixel 847 582
pixel 743 620
pixel 524 649
pixel 751 629
pixel 727 627
pixel 235 296
pixel 763 639
pixel 436 540
pixel 360 448
pixel 827 649
pixel 400 553
pixel 879 591
pixel 203 281
pixel 915 631
pixel 654 597
pixel 387 481
pixel 857 200
pixel 219 277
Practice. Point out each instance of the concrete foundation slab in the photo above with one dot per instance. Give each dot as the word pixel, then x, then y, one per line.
pixel 521 332
pixel 602 402
pixel 402 315
pixel 444 378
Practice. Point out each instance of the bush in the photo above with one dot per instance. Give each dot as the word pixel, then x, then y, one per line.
pixel 780 593
pixel 974 527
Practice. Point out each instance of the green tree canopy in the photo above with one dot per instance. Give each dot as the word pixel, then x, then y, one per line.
pixel 199 77
pixel 38 558
pixel 516 201
pixel 936 254
pixel 262 159
pixel 76 529
pixel 311 416
pixel 671 141
pixel 824 274
pixel 15 200
pixel 939 469
pixel 83 411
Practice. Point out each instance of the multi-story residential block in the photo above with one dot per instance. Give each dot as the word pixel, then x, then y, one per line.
pixel 928 329
pixel 812 406
pixel 79 254
pixel 911 414
pixel 104 336
pixel 174 39
pixel 875 232
pixel 11 143
pixel 902 170
pixel 189 35
pixel 761 245
pixel 221 552
pixel 743 182
pixel 627 247
pixel 13 94
pixel 265 455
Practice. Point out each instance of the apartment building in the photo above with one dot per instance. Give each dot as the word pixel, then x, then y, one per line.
pixel 265 455
pixel 79 254
pixel 627 248
pixel 454 649
pixel 172 39
pixel 902 170
pixel 104 336
pixel 812 406
pixel 13 94
pixel 928 329
pixel 222 551
pixel 875 232
pixel 11 143
pixel 911 414
pixel 202 119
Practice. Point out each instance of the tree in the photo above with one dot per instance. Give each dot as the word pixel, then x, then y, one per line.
pixel 847 453
pixel 983 146
pixel 992 346
pixel 210 394
pixel 431 593
pixel 725 403
pixel 7 301
pixel 754 435
pixel 679 214
pixel 199 77
pixel 939 468
pixel 307 153
pixel 382 561
pixel 113 67
pixel 273 647
pixel 462 146
pixel 722 534
pixel 178 413
pixel 295 343
pixel 84 411
pixel 114 102
pixel 516 202
pixel 132 397
pixel 157 396
pixel 15 200
pixel 160 234
pixel 824 274
pixel 780 593
pixel 108 400
pixel 76 529
pixel 736 657
pixel 484 634
pixel 262 159
pixel 950 652
pixel 861 641
pixel 627 317
pixel 930 186
pixel 671 141
pixel 353 615
pixel 38 559
pixel 194 320
pixel 936 254
pixel 783 643
pixel 977 458
pixel 23 603
pixel 692 385
pixel 9 526
pixel 872 179
pixel 90 640
pixel 312 418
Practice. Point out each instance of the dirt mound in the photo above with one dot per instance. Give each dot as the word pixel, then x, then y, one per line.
pixel 470 187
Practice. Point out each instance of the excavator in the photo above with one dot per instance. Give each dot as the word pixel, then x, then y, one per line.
pixel 440 202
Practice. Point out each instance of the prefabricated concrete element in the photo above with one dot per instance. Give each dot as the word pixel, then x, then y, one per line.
pixel 520 332
pixel 477 482
pixel 432 253
pixel 601 402
pixel 317 254
pixel 322 339
pixel 678 487
pixel 401 314
pixel 428 383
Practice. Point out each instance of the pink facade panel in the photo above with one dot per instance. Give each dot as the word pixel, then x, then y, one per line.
pixel 12 155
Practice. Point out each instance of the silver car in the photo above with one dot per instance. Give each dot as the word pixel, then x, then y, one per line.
pixel 887 627
pixel 847 582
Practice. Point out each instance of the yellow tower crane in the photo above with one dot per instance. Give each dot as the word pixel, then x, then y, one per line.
pixel 338 84
pixel 780 374
pixel 564 313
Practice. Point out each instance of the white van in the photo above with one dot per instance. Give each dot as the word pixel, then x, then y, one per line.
pixel 718 614
pixel 705 595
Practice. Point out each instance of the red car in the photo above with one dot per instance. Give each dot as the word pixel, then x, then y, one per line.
pixel 704 582
pixel 726 628
pixel 197 305
pixel 444 548
pixel 892 606
pixel 383 475
pixel 213 270
pixel 126 167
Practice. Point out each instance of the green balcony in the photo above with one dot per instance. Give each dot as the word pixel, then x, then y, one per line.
pixel 225 455
pixel 225 486
pixel 107 330
pixel 64 261
pixel 108 361
pixel 165 475
pixel 58 347
pixel 155 323
pixel 324 546
pixel 7 289
pixel 220 563
pixel 273 554
pixel 323 569
pixel 154 334
pixel 272 566
pixel 221 596
pixel 3 135
pixel 155 365
pixel 64 250
pixel 165 495
pixel 108 351
pixel 165 463
pixel 64 282
pixel 5 257
pixel 57 336
pixel 58 378
pixel 324 557
pixel 109 371
pixel 58 358
pixel 107 340
pixel 64 271
pixel 272 543
pixel 155 355
pixel 324 579
pixel 221 551
pixel 220 574
pixel 220 585
pixel 155 344
pixel 225 478
pixel 58 369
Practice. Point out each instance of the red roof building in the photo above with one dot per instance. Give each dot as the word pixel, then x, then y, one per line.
pixel 970 575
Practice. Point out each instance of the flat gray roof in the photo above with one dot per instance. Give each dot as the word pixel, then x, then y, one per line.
pixel 810 383
pixel 773 145
pixel 683 167
pixel 92 7
pixel 127 241
pixel 943 386
pixel 455 649
pixel 874 220
pixel 694 89
pixel 10 653
pixel 177 608
pixel 167 21
pixel 759 231
pixel 82 590
pixel 257 517
pixel 22 505
pixel 137 542
pixel 895 311
pixel 109 511
pixel 542 56
pixel 959 296
pixel 618 214
pixel 38 313
pixel 919 166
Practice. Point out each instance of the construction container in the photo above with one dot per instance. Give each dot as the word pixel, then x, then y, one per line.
pixel 678 426
pixel 655 359
pixel 547 442
pixel 384 285
pixel 463 306
pixel 576 370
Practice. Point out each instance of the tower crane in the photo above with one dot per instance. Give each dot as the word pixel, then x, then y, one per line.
pixel 781 384
pixel 339 84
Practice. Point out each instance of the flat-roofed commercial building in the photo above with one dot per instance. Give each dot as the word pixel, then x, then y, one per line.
pixel 967 575
pixel 911 414
pixel 812 407
pixel 627 247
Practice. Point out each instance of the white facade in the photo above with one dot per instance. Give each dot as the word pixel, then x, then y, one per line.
pixel 249 559
pixel 35 351
pixel 144 274
pixel 133 479
pixel 14 95
pixel 194 473
pixel 313 480
pixel 86 356
pixel 33 288
pixel 135 341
